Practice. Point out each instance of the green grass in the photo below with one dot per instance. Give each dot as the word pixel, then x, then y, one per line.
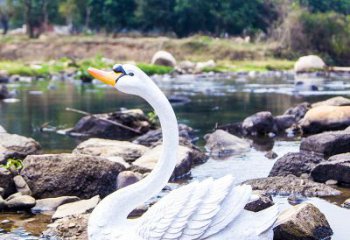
pixel 151 69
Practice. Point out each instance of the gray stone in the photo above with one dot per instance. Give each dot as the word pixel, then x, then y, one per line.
pixel 298 111
pixel 309 63
pixel 111 149
pixel 51 204
pixel 76 208
pixel 163 58
pixel 127 178
pixel 22 202
pixel 97 126
pixel 302 222
pixel 331 182
pixel 21 185
pixel 271 155
pixel 260 123
pixel 71 227
pixel 6 182
pixel 336 168
pixel 326 144
pixel 261 203
pixel 294 163
pixel 284 122
pixel 291 185
pixel 55 175
pixel 223 144
pixel 15 146
pixel 184 160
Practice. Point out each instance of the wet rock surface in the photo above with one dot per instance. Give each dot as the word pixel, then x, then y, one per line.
pixel 51 204
pixel 336 168
pixel 15 146
pixel 260 123
pixel 20 202
pixel 291 185
pixel 294 163
pixel 298 111
pixel 327 144
pixel 261 203
pixel 110 149
pixel 302 222
pixel 55 175
pixel 284 122
pixel 103 125
pixel 223 144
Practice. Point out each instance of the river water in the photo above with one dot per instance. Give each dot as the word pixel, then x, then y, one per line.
pixel 214 100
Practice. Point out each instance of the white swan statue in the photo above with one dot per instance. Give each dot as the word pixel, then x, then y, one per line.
pixel 211 209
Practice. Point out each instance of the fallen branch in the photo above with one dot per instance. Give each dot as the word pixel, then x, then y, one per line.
pixel 103 119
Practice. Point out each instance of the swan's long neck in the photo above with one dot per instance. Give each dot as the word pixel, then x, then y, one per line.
pixel 114 209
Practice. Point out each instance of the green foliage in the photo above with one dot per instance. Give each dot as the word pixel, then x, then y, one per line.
pixel 151 69
pixel 152 117
pixel 340 6
pixel 13 163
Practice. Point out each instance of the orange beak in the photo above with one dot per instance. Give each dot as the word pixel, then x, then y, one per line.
pixel 108 77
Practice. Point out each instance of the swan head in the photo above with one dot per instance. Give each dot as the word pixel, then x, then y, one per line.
pixel 126 78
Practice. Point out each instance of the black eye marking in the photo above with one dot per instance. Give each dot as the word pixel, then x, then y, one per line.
pixel 119 69
pixel 131 74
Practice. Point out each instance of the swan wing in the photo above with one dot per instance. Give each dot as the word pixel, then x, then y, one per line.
pixel 195 211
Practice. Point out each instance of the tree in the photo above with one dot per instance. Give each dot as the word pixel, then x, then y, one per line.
pixel 340 6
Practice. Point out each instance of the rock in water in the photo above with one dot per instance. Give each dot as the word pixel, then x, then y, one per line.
pixel 55 175
pixel 336 168
pixel 326 144
pixel 223 144
pixel 302 222
pixel 291 185
pixel 76 208
pixel 20 202
pixel 127 178
pixel 163 58
pixel 15 146
pixel 309 63
pixel 325 118
pixel 150 158
pixel 284 122
pixel 260 123
pixel 97 126
pixel 294 163
pixel 261 203
pixel 111 148
pixel 298 111
pixel 51 204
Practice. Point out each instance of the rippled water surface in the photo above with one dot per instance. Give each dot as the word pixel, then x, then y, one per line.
pixel 214 100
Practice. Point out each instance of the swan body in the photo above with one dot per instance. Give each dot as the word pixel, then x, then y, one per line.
pixel 211 209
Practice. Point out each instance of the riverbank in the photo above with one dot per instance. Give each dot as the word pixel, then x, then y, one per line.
pixel 19 54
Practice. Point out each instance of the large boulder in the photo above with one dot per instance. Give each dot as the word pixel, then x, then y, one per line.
pixel 302 222
pixel 260 123
pixel 4 93
pixel 298 111
pixel 111 149
pixel 54 175
pixel 184 160
pixel 20 202
pixel 291 185
pixel 107 125
pixel 294 163
pixel 334 101
pixel 15 146
pixel 284 122
pixel 325 118
pixel 222 144
pixel 127 178
pixel 6 182
pixel 336 168
pixel 326 144
pixel 309 63
pixel 163 58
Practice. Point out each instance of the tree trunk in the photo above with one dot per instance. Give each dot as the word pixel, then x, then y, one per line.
pixel 28 20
